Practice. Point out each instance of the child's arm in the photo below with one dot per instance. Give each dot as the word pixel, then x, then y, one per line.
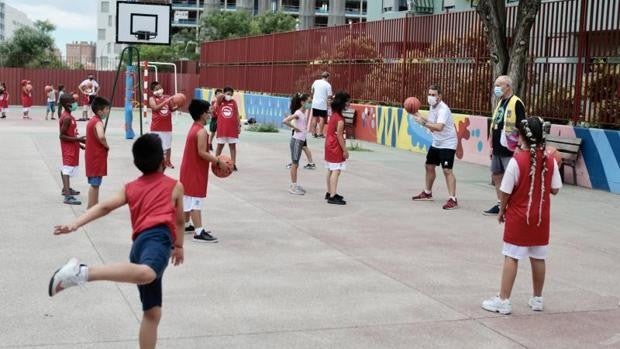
pixel 101 135
pixel 287 121
pixel 340 137
pixel 63 132
pixel 502 206
pixel 201 144
pixel 177 253
pixel 155 107
pixel 97 211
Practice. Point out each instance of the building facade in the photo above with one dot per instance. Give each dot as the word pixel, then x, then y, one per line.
pixel 81 54
pixel 11 19
pixel 107 50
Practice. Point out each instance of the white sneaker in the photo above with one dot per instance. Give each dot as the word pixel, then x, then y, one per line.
pixel 67 276
pixel 299 187
pixel 296 191
pixel 497 305
pixel 536 303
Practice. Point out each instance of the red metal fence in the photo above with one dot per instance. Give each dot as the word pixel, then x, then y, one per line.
pixel 574 67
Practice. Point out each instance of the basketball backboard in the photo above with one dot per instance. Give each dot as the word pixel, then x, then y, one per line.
pixel 140 23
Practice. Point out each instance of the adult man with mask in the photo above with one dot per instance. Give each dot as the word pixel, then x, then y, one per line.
pixel 89 89
pixel 504 133
pixel 443 149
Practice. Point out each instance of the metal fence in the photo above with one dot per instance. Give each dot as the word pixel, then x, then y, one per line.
pixel 573 69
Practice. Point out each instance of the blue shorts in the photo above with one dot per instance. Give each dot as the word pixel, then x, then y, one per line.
pixel 51 107
pixel 152 248
pixel 95 181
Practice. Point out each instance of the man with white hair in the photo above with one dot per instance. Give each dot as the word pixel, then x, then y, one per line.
pixel 321 93
pixel 508 114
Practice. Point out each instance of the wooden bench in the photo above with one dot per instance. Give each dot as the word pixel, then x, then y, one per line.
pixel 569 150
pixel 349 122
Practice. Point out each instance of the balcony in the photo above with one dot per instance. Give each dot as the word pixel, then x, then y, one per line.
pixel 185 5
pixel 354 12
pixel 289 9
pixel 184 23
pixel 426 7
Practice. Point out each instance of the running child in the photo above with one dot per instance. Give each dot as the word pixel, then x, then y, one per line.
pixel 228 126
pixel 195 170
pixel 97 148
pixel 70 148
pixel 51 103
pixel 162 107
pixel 217 97
pixel 156 206
pixel 299 106
pixel 4 100
pixel 26 98
pixel 336 152
pixel 529 178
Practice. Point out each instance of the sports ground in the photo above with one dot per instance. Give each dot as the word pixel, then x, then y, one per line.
pixel 294 272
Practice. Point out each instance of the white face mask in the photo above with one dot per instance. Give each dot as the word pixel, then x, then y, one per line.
pixel 228 97
pixel 432 100
pixel 159 92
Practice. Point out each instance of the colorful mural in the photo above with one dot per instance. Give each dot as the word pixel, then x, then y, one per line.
pixel 598 165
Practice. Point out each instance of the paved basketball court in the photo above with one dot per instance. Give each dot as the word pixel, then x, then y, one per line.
pixel 295 272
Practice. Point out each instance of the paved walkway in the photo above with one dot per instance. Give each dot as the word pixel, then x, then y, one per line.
pixel 294 272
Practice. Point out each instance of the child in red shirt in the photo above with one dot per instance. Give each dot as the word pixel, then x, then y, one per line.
pixel 217 97
pixel 336 152
pixel 4 100
pixel 530 177
pixel 195 170
pixel 162 107
pixel 26 98
pixel 228 126
pixel 70 148
pixel 96 153
pixel 156 206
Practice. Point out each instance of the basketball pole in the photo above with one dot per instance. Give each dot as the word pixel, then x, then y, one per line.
pixel 130 72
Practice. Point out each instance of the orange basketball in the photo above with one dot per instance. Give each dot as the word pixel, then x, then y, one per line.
pixel 76 97
pixel 553 151
pixel 179 99
pixel 226 167
pixel 28 87
pixel 48 89
pixel 412 105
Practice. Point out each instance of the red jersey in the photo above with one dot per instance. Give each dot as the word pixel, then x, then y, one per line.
pixel 70 149
pixel 95 156
pixel 227 119
pixel 194 170
pixel 516 229
pixel 26 99
pixel 4 99
pixel 333 151
pixel 162 118
pixel 150 203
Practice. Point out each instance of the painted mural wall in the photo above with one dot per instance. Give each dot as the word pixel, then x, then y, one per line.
pixel 598 165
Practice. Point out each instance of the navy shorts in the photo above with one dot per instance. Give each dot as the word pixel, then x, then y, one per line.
pixel 440 156
pixel 95 181
pixel 152 248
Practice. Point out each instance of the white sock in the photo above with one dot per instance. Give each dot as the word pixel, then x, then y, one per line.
pixel 198 230
pixel 187 224
pixel 427 191
pixel 83 274
pixel 293 185
pixel 452 197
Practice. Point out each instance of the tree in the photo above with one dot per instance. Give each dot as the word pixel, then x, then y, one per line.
pixel 274 22
pixel 508 59
pixel 30 47
pixel 183 46
pixel 219 25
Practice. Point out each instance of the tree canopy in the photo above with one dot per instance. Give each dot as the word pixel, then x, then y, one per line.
pixel 219 25
pixel 30 47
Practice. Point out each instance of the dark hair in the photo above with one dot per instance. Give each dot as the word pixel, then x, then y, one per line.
pixel 228 89
pixel 147 153
pixel 99 103
pixel 197 107
pixel 154 84
pixel 340 101
pixel 66 100
pixel 435 87
pixel 61 87
pixel 218 90
pixel 297 101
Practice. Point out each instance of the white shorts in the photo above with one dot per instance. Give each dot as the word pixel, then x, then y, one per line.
pixel 191 203
pixel 335 166
pixel 26 110
pixel 226 140
pixel 520 252
pixel 70 171
pixel 166 139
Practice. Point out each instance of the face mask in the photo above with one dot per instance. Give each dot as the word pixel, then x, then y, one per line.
pixel 74 106
pixel 228 97
pixel 498 91
pixel 159 92
pixel 432 100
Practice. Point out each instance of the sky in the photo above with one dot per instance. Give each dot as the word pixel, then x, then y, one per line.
pixel 75 20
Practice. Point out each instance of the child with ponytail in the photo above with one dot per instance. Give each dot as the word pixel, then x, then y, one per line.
pixel 299 123
pixel 530 177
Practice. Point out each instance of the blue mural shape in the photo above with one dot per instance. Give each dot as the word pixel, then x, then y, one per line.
pixel 266 109
pixel 419 136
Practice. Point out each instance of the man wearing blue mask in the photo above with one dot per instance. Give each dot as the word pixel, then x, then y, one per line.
pixel 504 133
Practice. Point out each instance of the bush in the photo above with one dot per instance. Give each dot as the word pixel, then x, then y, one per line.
pixel 357 147
pixel 269 128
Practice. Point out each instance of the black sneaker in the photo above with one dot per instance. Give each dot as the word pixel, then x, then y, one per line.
pixel 310 166
pixel 493 211
pixel 204 236
pixel 336 196
pixel 190 229
pixel 336 200
pixel 235 168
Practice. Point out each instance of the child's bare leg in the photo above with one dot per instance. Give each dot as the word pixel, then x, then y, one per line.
pixel 218 149
pixel 308 154
pixel 93 196
pixel 233 152
pixel 167 156
pixel 333 183
pixel 187 216
pixel 294 168
pixel 131 273
pixel 65 183
pixel 538 275
pixel 196 219
pixel 509 274
pixel 148 328
pixel 329 175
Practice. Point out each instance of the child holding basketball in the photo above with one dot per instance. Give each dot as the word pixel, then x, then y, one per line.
pixel 70 148
pixel 299 106
pixel 195 170
pixel 96 153
pixel 336 152
pixel 228 126
pixel 162 107
pixel 4 100
pixel 156 206
pixel 26 98
pixel 51 102
pixel 530 177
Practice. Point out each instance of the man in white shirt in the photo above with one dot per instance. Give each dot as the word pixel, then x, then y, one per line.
pixel 442 151
pixel 321 93
pixel 89 89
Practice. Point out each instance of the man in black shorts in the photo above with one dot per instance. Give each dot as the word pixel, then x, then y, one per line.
pixel 321 93
pixel 439 122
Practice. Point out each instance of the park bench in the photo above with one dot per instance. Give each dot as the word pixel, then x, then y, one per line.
pixel 569 151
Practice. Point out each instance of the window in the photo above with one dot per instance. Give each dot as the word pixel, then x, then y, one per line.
pixel 101 34
pixel 118 48
pixel 105 6
pixel 110 21
pixel 109 46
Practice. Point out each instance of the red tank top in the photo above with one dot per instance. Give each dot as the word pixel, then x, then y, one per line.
pixel 194 169
pixel 517 231
pixel 70 149
pixel 162 118
pixel 333 151
pixel 26 99
pixel 150 203
pixel 95 156
pixel 227 119
pixel 4 100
